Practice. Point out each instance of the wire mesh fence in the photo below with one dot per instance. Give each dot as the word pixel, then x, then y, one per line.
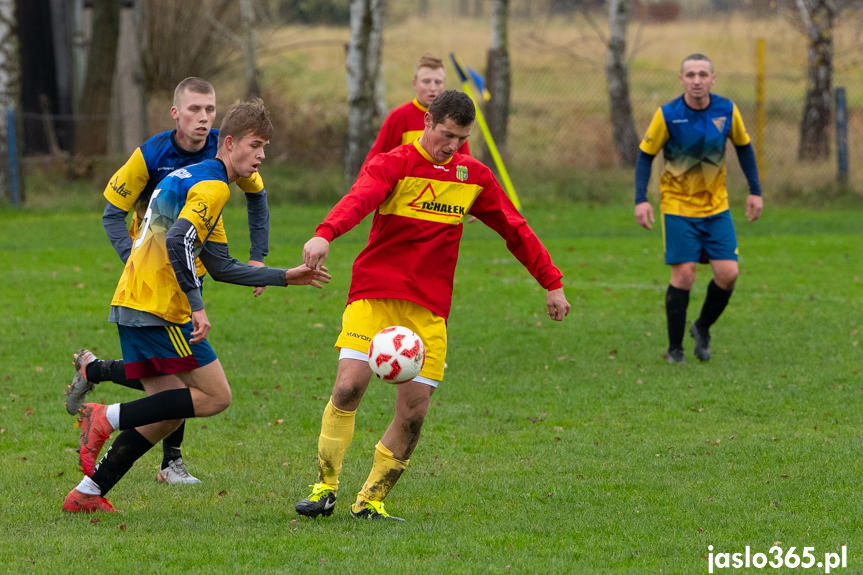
pixel 559 111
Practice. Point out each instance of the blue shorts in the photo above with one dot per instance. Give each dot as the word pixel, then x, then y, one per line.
pixel 699 239
pixel 151 351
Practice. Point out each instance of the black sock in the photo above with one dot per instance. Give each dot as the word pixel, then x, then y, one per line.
pixel 171 445
pixel 111 370
pixel 170 404
pixel 676 302
pixel 714 304
pixel 123 453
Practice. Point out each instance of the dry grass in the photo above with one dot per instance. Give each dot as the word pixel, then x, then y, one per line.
pixel 559 118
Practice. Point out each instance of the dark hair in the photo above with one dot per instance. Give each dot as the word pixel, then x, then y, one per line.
pixel 696 56
pixel 192 84
pixel 457 106
pixel 246 118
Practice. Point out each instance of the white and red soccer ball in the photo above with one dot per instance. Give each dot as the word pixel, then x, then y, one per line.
pixel 396 354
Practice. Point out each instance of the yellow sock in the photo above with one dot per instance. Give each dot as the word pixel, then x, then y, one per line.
pixel 386 470
pixel 337 432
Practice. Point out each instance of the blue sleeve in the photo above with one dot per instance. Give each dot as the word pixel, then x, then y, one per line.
pixel 746 157
pixel 643 164
pixel 258 211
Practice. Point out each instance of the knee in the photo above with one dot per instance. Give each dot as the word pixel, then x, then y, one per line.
pixel 726 280
pixel 347 395
pixel 216 403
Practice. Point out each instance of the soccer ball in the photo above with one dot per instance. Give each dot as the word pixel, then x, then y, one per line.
pixel 396 354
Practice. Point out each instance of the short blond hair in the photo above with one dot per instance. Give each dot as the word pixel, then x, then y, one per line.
pixel 192 84
pixel 428 61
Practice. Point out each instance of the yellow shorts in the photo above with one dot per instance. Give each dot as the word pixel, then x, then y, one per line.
pixel 366 317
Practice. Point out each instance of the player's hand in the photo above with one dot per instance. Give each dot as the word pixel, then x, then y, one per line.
pixel 315 252
pixel 754 204
pixel 558 307
pixel 258 289
pixel 305 276
pixel 200 326
pixel 644 215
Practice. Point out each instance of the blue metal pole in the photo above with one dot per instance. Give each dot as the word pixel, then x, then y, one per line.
pixel 14 194
pixel 841 135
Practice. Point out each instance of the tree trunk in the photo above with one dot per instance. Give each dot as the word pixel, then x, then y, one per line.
pixel 128 106
pixel 363 70
pixel 91 134
pixel 247 14
pixel 9 77
pixel 499 77
pixel 818 17
pixel 617 79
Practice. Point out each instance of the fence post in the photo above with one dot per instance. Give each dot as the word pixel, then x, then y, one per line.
pixel 760 115
pixel 14 195
pixel 841 135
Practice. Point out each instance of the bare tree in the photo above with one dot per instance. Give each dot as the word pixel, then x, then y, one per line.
pixel 617 80
pixel 128 102
pixel 247 13
pixel 818 17
pixel 363 70
pixel 91 138
pixel 499 75
pixel 9 74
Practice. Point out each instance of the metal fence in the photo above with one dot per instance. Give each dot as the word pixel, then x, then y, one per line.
pixel 559 120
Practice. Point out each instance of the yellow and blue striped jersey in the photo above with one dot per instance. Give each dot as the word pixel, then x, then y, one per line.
pixel 196 193
pixel 692 183
pixel 130 187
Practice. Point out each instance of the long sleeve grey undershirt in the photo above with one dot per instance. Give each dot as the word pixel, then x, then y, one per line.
pixel 258 211
pixel 114 222
pixel 180 243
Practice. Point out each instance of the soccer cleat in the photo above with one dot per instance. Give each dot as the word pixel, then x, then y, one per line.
pixel 95 431
pixel 675 355
pixel 176 474
pixel 373 510
pixel 76 392
pixel 77 502
pixel 702 341
pixel 322 501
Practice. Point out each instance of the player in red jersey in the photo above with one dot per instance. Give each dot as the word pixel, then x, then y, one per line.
pixel 421 194
pixel 406 123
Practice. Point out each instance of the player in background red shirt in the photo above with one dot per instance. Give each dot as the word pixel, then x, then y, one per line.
pixel 405 123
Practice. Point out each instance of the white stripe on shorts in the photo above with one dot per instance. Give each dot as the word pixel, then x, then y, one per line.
pixel 348 353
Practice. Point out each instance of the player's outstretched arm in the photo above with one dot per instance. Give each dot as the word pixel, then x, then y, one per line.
pixel 305 276
pixel 315 252
pixel 558 307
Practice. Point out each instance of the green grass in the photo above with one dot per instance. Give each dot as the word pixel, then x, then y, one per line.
pixel 550 447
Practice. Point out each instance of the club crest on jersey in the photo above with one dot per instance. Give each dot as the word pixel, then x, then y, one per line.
pixel 719 123
pixel 461 173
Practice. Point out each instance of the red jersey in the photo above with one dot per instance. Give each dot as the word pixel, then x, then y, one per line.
pixel 420 210
pixel 402 126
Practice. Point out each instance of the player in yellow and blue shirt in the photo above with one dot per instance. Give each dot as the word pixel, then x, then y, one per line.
pixel 691 131
pixel 160 314
pixel 128 191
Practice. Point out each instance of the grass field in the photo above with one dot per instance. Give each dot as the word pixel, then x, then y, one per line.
pixel 550 448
